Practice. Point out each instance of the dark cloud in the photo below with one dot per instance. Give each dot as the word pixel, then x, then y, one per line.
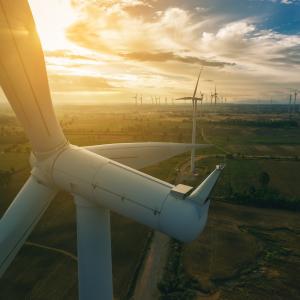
pixel 170 56
pixel 67 83
pixel 289 56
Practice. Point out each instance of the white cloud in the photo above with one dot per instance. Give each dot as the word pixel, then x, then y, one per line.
pixel 109 28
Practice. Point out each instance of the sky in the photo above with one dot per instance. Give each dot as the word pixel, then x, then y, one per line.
pixel 107 50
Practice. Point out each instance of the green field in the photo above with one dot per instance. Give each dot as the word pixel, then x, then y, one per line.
pixel 243 173
pixel 212 261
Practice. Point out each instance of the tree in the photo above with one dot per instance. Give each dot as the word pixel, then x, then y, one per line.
pixel 264 179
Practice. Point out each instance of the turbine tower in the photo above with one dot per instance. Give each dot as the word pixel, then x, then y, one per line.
pixel 290 105
pixel 193 152
pixel 136 99
pixel 215 95
pixel 295 100
pixel 97 182
pixel 194 115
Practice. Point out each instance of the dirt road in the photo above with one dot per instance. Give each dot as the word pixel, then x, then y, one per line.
pixel 152 270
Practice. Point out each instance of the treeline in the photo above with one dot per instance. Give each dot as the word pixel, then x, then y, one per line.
pixel 265 198
pixel 175 284
pixel 261 123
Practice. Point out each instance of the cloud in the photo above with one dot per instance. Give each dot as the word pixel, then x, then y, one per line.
pixel 289 55
pixel 67 54
pixel 115 30
pixel 170 56
pixel 143 44
pixel 67 83
pixel 286 2
pixel 253 49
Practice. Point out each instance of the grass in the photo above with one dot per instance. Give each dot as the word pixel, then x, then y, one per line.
pixel 225 256
pixel 241 174
pixel 246 253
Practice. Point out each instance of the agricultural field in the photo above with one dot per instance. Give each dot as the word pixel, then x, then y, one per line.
pixel 46 268
pixel 245 253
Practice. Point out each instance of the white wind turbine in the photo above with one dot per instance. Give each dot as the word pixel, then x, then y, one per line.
pixel 97 181
pixel 194 119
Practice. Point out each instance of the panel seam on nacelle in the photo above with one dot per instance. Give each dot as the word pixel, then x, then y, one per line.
pixel 124 198
pixel 143 175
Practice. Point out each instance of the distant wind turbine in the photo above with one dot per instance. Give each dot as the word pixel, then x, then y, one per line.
pixel 136 98
pixel 290 105
pixel 295 100
pixel 193 152
pixel 215 95
pixel 194 121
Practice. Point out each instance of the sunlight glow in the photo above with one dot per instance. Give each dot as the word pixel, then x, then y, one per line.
pixel 52 22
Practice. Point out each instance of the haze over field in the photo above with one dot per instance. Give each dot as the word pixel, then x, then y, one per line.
pixel 99 51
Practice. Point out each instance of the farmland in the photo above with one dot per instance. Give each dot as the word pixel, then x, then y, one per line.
pixel 255 234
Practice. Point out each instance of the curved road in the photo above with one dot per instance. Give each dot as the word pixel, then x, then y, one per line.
pixel 57 250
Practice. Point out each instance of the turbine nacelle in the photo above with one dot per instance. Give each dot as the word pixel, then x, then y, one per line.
pixel 179 212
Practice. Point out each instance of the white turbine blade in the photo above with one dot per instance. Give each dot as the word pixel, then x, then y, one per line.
pixel 201 194
pixel 196 87
pixel 188 98
pixel 20 219
pixel 94 251
pixel 141 155
pixel 23 76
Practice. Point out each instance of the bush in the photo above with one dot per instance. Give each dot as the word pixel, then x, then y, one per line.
pixel 175 285
pixel 266 198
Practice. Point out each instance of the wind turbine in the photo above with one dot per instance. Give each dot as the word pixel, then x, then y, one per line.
pixel 290 105
pixel 136 98
pixel 215 95
pixel 295 100
pixel 156 100
pixel 101 178
pixel 194 103
pixel 193 152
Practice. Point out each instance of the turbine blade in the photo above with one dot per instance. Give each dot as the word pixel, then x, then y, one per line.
pixel 196 87
pixel 140 155
pixel 23 76
pixel 201 194
pixel 20 219
pixel 188 98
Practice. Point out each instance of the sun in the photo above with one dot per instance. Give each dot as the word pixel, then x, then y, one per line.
pixel 52 18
